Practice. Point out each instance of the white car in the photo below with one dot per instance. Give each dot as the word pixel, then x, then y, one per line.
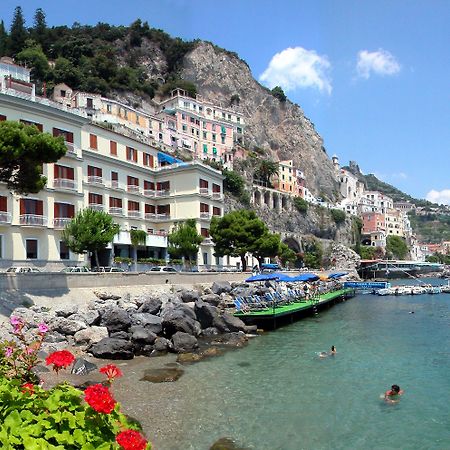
pixel 22 270
pixel 75 269
pixel 163 269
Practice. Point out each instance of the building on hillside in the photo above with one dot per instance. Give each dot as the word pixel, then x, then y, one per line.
pixel 373 222
pixel 208 131
pixel 380 200
pixel 15 78
pixel 404 206
pixel 394 223
pixel 141 187
pixel 445 247
pixel 289 179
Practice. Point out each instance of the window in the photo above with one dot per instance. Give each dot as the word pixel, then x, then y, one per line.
pixel 133 206
pixel 216 188
pixel 31 248
pixel 204 232
pixel 191 119
pixel 131 154
pixel 95 199
pixel 148 159
pixel 216 211
pixel 214 151
pixel 149 209
pixel 132 181
pixel 238 120
pixel 205 135
pixel 205 124
pixel 113 148
pixel 3 204
pixel 63 93
pixel 1 246
pixel 222 139
pixel 183 116
pixel 214 137
pixel 39 126
pixel 149 185
pixel 95 172
pixel 67 135
pixel 204 184
pixel 213 127
pixel 192 130
pixel 64 210
pixel 108 108
pixel 163 186
pixel 63 250
pixel 63 172
pixel 204 208
pixel 31 207
pixel 115 202
pixel 184 128
pixel 205 148
pixel 90 102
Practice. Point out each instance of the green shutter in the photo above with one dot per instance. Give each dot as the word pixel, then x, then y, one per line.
pixel 214 150
pixel 205 148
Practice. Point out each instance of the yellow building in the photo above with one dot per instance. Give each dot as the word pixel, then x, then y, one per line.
pixel 289 178
pixel 104 170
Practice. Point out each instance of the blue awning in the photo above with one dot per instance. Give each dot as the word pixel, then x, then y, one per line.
pixel 262 277
pixel 165 158
pixel 337 275
pixel 306 277
pixel 283 277
pixel 270 266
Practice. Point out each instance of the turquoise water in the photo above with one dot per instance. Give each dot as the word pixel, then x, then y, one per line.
pixel 277 394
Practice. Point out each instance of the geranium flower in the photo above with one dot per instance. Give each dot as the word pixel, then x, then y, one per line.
pixel 111 371
pixel 43 328
pixel 99 398
pixel 9 351
pixel 131 440
pixel 60 359
pixel 28 388
pixel 17 323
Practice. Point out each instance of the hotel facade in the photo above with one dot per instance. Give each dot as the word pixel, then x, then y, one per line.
pixel 140 186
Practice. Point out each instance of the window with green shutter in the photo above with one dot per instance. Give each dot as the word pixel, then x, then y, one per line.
pixel 205 148
pixel 214 151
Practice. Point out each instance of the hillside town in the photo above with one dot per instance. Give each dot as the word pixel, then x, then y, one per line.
pixel 151 169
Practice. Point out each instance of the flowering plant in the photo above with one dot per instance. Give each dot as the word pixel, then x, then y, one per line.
pixel 60 360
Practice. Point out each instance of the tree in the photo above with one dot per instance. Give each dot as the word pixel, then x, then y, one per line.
pixel 39 30
pixel 23 150
pixel 18 33
pixel 266 246
pixel 301 205
pixel 265 171
pixel 396 247
pixel 184 241
pixel 32 55
pixel 3 39
pixel 279 93
pixel 286 254
pixel 338 216
pixel 233 182
pixel 237 233
pixel 90 231
pixel 137 237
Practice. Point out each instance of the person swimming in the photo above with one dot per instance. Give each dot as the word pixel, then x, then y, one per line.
pixel 393 395
pixel 332 352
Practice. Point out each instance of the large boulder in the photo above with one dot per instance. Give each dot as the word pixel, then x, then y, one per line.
pixel 142 336
pixel 213 299
pixel 150 306
pixel 150 321
pixel 206 314
pixel 233 323
pixel 161 344
pixel 179 318
pixel 66 326
pixel 219 287
pixel 91 335
pixel 66 310
pixel 235 339
pixel 115 319
pixel 244 290
pixel 189 296
pixel 183 342
pixel 111 348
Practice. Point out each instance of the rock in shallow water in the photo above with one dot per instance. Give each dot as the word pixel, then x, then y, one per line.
pixel 226 444
pixel 164 375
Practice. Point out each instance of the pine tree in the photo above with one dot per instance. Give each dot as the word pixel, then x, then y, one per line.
pixel 18 33
pixel 3 39
pixel 39 30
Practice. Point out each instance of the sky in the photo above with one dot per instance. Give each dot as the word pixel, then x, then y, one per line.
pixel 373 75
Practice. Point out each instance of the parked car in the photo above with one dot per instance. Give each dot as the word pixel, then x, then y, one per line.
pixel 76 269
pixel 22 270
pixel 163 269
pixel 105 269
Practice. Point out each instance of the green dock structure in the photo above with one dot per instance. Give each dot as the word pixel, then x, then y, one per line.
pixel 271 318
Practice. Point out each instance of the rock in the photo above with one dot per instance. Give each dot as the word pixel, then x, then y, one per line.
pixel 150 306
pixel 91 335
pixel 214 299
pixel 166 374
pixel 243 291
pixel 226 301
pixel 111 348
pixel 186 358
pixel 226 444
pixel 189 296
pixel 121 335
pixel 183 342
pixel 219 287
pixel 233 323
pixel 150 321
pixel 91 317
pixel 146 350
pixel 106 296
pixel 251 329
pixel 211 331
pixel 161 344
pixel 66 326
pixel 231 340
pixel 53 337
pixel 143 336
pixel 115 319
pixel 66 310
pixel 179 318
pixel 83 367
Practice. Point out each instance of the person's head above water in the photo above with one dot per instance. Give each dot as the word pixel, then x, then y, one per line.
pixel 333 349
pixel 395 388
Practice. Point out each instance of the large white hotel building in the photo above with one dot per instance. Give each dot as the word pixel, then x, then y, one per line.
pixel 140 186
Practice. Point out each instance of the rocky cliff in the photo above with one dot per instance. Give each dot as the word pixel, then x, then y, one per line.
pixel 280 128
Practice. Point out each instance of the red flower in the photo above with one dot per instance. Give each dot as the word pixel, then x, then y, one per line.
pixel 28 388
pixel 131 440
pixel 99 398
pixel 111 371
pixel 60 359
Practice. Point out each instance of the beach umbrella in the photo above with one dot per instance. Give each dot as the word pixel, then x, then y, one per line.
pixel 335 275
pixel 283 277
pixel 306 277
pixel 262 277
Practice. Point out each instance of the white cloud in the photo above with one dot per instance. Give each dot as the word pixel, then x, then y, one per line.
pixel 380 62
pixel 294 68
pixel 440 197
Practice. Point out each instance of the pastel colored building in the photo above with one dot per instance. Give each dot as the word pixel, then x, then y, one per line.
pixel 289 179
pixel 373 222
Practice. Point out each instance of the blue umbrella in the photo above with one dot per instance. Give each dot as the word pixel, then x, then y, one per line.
pixel 335 275
pixel 306 277
pixel 262 277
pixel 284 277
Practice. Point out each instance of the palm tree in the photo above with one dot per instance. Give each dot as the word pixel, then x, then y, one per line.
pixel 266 170
pixel 137 237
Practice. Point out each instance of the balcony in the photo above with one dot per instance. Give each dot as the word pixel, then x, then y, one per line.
pixel 65 183
pixel 5 217
pixel 162 193
pixel 158 233
pixel 162 216
pixel 217 195
pixel 207 241
pixel 94 179
pixel 205 215
pixel 32 220
pixel 150 216
pixel 115 211
pixel 133 188
pixel 59 223
pixel 116 185
pixel 96 206
pixel 149 192
pixel 204 191
pixel 71 150
pixel 134 214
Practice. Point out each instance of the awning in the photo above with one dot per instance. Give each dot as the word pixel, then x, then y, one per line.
pixel 270 266
pixel 306 277
pixel 283 277
pixel 164 158
pixel 335 275
pixel 262 277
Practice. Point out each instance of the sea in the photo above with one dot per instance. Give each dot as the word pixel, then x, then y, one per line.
pixel 278 394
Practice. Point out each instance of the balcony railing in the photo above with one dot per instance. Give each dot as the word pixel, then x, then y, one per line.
pixel 162 216
pixel 71 150
pixel 217 195
pixel 64 183
pixel 150 216
pixel 96 206
pixel 33 220
pixel 149 192
pixel 60 222
pixel 205 215
pixel 115 211
pixel 162 193
pixel 5 217
pixel 158 232
pixel 116 185
pixel 135 214
pixel 94 179
pixel 207 241
pixel 204 191
pixel 133 188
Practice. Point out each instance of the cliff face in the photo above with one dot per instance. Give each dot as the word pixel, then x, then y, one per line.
pixel 280 128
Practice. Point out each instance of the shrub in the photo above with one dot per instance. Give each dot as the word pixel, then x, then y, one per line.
pixel 301 204
pixel 338 216
pixel 233 183
pixel 279 93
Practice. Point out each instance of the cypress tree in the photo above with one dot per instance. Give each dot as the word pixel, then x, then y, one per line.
pixel 18 34
pixel 3 39
pixel 39 30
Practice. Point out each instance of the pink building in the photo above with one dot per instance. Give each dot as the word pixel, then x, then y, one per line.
pixel 373 222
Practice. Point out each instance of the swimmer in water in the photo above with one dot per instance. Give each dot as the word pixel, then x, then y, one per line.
pixel 332 352
pixel 393 395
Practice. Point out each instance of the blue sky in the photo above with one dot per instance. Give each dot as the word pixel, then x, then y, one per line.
pixel 372 75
